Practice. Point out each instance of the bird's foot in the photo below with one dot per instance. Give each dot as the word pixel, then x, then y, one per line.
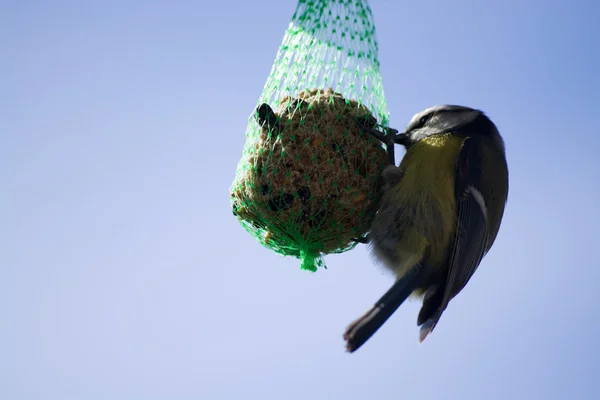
pixel 388 139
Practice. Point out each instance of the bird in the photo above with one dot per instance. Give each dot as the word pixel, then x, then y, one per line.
pixel 440 212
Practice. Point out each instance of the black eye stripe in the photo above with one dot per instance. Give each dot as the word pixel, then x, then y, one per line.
pixel 425 118
pixel 448 110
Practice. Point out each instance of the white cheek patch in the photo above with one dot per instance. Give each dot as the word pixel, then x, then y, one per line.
pixel 479 199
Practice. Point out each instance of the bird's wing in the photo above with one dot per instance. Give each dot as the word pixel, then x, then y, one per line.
pixel 470 241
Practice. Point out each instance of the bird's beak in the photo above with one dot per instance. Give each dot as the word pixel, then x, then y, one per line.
pixel 401 138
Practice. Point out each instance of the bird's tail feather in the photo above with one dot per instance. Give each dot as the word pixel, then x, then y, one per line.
pixel 426 329
pixel 431 311
pixel 364 327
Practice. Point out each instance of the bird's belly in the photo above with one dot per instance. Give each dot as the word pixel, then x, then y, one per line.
pixel 396 259
pixel 401 239
pixel 417 216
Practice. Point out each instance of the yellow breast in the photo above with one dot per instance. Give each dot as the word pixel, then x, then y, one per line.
pixel 427 191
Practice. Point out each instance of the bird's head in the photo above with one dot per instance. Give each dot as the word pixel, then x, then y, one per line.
pixel 458 120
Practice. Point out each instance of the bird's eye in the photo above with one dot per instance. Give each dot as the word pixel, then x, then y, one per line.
pixel 423 120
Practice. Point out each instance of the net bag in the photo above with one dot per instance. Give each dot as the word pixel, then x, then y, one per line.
pixel 308 183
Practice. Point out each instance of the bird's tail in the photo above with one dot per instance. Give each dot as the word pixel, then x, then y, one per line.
pixel 431 311
pixel 363 328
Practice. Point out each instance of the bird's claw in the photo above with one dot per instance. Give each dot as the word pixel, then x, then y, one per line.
pixel 389 139
pixel 363 240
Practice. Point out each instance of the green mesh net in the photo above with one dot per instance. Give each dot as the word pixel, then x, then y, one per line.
pixel 309 179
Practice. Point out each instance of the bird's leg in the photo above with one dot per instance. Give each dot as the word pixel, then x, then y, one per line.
pixel 266 117
pixel 392 174
pixel 389 139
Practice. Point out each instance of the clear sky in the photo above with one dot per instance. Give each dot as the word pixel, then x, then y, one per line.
pixel 124 274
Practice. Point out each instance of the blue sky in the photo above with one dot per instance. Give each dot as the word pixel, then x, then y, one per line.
pixel 125 275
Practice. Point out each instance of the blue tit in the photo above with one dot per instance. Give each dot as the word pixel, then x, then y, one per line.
pixel 440 212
